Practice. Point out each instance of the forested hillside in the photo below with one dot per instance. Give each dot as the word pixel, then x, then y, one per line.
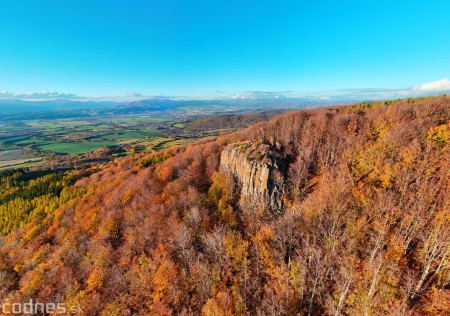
pixel 24 196
pixel 230 121
pixel 364 228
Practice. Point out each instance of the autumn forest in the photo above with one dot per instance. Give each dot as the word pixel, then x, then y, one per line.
pixel 360 224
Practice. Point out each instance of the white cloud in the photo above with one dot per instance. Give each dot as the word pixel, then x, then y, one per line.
pixel 44 95
pixel 134 94
pixel 53 95
pixel 261 95
pixel 5 94
pixel 434 86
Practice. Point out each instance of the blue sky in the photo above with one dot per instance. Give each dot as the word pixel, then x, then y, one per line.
pixel 208 48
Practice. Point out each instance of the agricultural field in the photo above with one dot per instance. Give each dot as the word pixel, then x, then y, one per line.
pixel 74 148
pixel 16 158
pixel 32 141
pixel 26 141
pixel 144 118
pixel 20 163
pixel 172 142
pixel 6 155
pixel 128 134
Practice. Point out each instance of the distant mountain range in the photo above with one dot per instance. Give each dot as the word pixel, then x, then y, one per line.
pixel 12 106
pixel 14 109
pixel 228 105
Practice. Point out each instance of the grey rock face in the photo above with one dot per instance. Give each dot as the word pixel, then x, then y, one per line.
pixel 258 168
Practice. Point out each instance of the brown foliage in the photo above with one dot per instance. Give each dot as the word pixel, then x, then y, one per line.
pixel 365 230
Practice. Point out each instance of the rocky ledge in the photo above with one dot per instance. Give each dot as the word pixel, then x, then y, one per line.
pixel 259 170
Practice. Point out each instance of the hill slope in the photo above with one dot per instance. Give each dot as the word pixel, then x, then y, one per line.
pixel 364 229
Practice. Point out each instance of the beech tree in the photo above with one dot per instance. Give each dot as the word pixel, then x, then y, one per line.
pixel 364 230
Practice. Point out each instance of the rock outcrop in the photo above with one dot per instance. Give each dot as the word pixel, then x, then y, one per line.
pixel 259 170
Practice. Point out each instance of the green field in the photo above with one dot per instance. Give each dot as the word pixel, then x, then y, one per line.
pixel 16 158
pixel 100 127
pixel 143 118
pixel 128 135
pixel 13 139
pixel 176 142
pixel 7 155
pixel 58 124
pixel 20 163
pixel 44 139
pixel 31 141
pixel 75 148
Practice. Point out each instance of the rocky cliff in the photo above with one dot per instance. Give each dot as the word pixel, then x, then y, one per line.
pixel 258 168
